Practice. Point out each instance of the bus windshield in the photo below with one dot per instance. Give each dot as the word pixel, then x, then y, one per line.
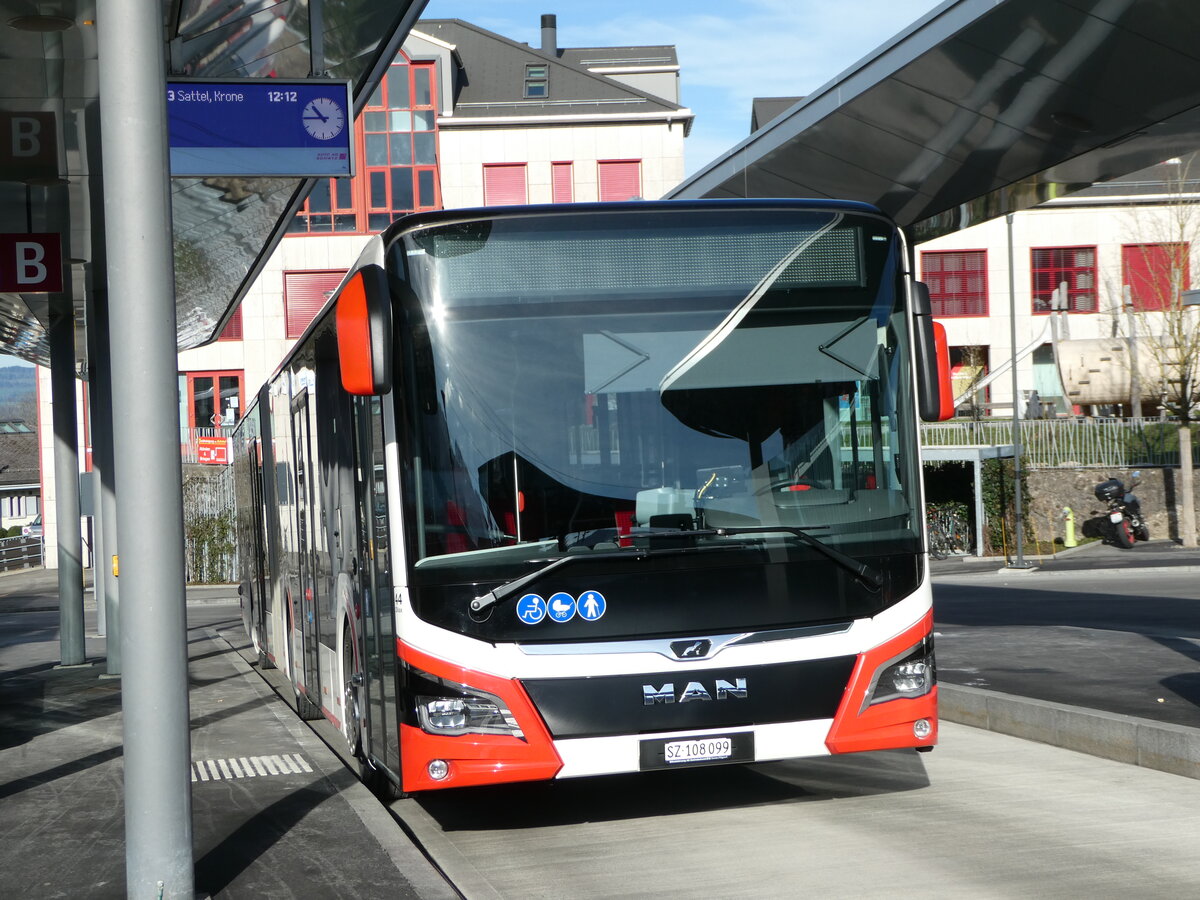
pixel 598 381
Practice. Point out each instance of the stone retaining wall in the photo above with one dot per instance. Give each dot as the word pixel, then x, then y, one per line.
pixel 1052 489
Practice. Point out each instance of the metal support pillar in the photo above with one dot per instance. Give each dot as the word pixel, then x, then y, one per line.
pixel 1016 414
pixel 1135 378
pixel 979 510
pixel 137 213
pixel 66 480
pixel 316 38
pixel 105 517
pixel 100 381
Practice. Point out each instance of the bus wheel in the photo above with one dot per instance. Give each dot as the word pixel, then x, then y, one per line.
pixel 260 647
pixel 380 783
pixel 351 710
pixel 305 708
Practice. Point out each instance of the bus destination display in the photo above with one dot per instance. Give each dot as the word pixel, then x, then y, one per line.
pixel 260 127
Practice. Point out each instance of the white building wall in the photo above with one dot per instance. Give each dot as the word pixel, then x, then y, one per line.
pixel 1063 225
pixel 465 150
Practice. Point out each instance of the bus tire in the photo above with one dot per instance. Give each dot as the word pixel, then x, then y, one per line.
pixel 260 648
pixel 351 706
pixel 379 782
pixel 305 708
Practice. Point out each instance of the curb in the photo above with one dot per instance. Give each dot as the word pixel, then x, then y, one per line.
pixel 1128 739
pixel 1095 570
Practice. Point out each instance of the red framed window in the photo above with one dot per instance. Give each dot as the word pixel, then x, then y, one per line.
pixel 233 328
pixel 957 280
pixel 968 366
pixel 213 399
pixel 504 184
pixel 1155 274
pixel 395 155
pixel 620 179
pixel 304 293
pixel 1073 266
pixel 562 182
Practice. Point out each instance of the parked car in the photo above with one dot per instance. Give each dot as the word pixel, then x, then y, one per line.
pixel 33 529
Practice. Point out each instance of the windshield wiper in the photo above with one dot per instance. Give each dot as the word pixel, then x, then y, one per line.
pixel 868 574
pixel 514 587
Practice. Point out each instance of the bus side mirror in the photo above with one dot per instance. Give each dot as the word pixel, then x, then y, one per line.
pixel 364 332
pixel 935 396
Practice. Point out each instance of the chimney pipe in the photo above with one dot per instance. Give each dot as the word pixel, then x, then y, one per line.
pixel 550 34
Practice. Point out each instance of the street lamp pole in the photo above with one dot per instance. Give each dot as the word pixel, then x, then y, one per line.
pixel 1016 406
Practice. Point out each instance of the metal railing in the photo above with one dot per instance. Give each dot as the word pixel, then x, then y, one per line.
pixel 1074 442
pixel 210 547
pixel 20 553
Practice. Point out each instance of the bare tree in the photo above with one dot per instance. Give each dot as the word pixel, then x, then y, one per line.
pixel 1164 328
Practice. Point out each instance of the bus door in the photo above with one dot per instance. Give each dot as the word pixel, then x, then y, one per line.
pixel 304 606
pixel 381 735
pixel 258 566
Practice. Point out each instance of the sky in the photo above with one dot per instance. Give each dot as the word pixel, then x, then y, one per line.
pixel 729 52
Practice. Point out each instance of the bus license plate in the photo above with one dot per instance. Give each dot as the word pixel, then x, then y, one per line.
pixel 712 748
pixel 697 750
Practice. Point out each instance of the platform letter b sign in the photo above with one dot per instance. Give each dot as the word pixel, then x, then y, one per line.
pixel 30 263
pixel 25 140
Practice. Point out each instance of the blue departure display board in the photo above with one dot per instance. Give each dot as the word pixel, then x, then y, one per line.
pixel 261 127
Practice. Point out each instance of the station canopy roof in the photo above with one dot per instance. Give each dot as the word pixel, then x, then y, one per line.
pixel 982 108
pixel 224 228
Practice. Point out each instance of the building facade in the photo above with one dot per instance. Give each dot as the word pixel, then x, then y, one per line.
pixel 1089 271
pixel 464 117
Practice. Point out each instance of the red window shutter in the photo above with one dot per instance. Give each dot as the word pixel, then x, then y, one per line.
pixel 957 281
pixel 504 184
pixel 562 182
pixel 233 328
pixel 1150 269
pixel 620 180
pixel 304 293
pixel 1074 266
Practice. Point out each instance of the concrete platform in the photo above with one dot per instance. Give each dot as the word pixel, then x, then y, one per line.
pixel 275 812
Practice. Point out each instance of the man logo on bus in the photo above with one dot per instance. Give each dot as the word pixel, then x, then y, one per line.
pixel 695 690
pixel 691 649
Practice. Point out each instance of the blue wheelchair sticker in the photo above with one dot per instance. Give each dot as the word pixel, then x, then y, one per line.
pixel 592 605
pixel 562 607
pixel 531 609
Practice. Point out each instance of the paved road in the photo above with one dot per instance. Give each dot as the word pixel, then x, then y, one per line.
pixel 274 813
pixel 1120 641
pixel 985 816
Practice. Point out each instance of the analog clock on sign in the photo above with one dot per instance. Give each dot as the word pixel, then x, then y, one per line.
pixel 323 118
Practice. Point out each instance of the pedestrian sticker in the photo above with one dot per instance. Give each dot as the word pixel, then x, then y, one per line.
pixel 591 605
pixel 562 607
pixel 531 609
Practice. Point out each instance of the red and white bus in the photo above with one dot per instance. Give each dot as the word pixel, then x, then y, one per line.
pixel 548 492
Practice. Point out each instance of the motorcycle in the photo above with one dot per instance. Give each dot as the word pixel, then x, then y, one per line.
pixel 1124 510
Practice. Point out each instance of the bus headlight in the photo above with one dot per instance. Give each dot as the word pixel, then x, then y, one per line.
pixel 912 674
pixel 469 714
pixel 440 706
